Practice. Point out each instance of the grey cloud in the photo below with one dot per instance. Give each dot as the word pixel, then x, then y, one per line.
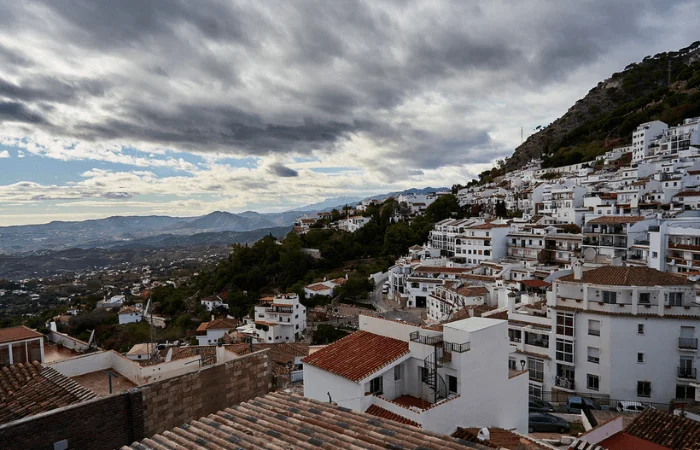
pixel 117 195
pixel 282 171
pixel 274 78
pixel 17 112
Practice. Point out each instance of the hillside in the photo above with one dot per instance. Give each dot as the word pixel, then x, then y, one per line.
pixel 607 115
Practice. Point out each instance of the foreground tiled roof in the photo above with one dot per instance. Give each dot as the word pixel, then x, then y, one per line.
pixel 358 355
pixel 378 411
pixel 285 421
pixel 499 438
pixel 616 219
pixel 41 390
pixel 18 334
pixel 666 429
pixel 628 276
pixel 12 378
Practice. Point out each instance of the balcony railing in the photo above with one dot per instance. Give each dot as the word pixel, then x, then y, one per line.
pixel 563 382
pixel 457 348
pixel 688 343
pixel 688 373
pixel 428 340
pixel 641 241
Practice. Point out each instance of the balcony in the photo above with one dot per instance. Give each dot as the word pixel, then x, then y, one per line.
pixel 456 348
pixel 688 343
pixel 427 340
pixel 564 383
pixel 687 373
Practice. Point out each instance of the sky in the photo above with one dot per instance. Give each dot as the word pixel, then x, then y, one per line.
pixel 182 108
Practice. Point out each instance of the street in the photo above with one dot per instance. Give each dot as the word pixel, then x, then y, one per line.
pixel 389 310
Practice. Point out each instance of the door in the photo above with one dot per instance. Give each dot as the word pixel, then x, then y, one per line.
pixel 686 367
pixel 420 302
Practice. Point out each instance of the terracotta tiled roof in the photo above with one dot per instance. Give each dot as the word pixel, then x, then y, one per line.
pixel 358 355
pixel 207 352
pixel 628 276
pixel 487 226
pixel 386 414
pixel 128 310
pixel 18 334
pixel 288 421
pixel 616 219
pixel 440 269
pixel 29 389
pixel 688 194
pixel 499 438
pixel 268 324
pixel 221 324
pixel 624 441
pixel 318 287
pixel 666 429
pixel 535 283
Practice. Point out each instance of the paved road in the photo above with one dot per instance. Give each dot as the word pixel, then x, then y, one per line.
pixel 389 310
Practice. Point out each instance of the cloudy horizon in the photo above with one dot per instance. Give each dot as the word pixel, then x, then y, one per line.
pixel 179 108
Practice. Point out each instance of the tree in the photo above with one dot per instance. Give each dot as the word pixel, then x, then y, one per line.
pixel 327 334
pixel 442 208
pixel 397 239
pixel 355 287
pixel 501 210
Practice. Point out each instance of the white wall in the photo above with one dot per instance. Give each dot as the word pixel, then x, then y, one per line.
pixel 67 341
pixel 318 383
pixel 387 328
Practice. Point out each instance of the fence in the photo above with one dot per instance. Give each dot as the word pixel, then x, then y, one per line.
pixel 605 402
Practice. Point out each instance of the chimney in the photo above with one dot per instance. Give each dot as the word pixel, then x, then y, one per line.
pixel 212 317
pixel 471 312
pixel 346 276
pixel 616 261
pixel 578 270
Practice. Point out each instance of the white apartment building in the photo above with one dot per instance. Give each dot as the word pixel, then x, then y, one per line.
pixel 481 242
pixel 281 318
pixel 676 139
pixel 629 333
pixel 542 244
pixel 609 238
pixel 352 224
pixel 439 379
pixel 450 297
pixel 674 245
pixel 643 136
pixel 442 236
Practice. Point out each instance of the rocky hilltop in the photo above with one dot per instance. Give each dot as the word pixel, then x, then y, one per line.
pixel 607 115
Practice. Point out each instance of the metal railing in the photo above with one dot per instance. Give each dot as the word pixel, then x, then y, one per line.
pixel 689 373
pixel 428 340
pixel 457 348
pixel 688 343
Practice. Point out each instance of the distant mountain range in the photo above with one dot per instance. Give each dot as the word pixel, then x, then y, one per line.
pixel 164 231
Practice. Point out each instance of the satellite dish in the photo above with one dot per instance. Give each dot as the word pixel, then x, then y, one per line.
pixel 589 254
pixel 483 435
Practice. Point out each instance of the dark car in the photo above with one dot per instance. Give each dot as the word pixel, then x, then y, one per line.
pixel 537 405
pixel 575 404
pixel 547 422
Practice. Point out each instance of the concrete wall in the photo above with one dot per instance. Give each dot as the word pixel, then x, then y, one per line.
pixel 121 419
pixel 67 341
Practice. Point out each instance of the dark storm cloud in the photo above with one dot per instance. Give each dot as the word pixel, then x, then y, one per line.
pixel 17 112
pixel 272 78
pixel 282 171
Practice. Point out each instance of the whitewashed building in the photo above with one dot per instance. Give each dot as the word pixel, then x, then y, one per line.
pixel 281 318
pixel 439 379
pixel 352 224
pixel 130 314
pixel 210 333
pixel 213 302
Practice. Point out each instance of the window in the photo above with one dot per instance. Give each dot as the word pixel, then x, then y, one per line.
pixel 640 328
pixel 514 335
pixel 675 299
pixel 424 373
pixel 593 382
pixel 452 384
pixel 565 351
pixel 565 324
pixel 375 385
pixel 535 390
pixel 594 327
pixel 512 364
pixel 685 392
pixel 536 369
pixel 594 355
pixel 640 357
pixel 654 255
pixel 296 316
pixel 643 388
pixel 644 297
pixel 397 372
pixel 609 297
pixel 297 326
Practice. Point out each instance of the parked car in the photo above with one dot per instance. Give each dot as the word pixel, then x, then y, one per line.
pixel 385 289
pixel 537 405
pixel 624 406
pixel 547 422
pixel 574 404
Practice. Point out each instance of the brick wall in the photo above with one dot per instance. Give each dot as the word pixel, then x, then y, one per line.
pixel 123 418
pixel 96 424
pixel 170 403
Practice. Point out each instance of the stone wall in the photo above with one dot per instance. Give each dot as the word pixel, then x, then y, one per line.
pixel 175 401
pixel 143 411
